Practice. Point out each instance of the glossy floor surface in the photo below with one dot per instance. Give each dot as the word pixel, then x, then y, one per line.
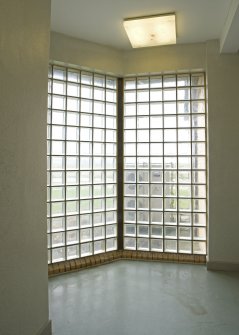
pixel 144 298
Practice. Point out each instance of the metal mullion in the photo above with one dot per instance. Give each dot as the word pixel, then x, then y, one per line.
pixel 149 169
pixel 79 168
pixel 191 133
pixel 163 130
pixel 92 165
pixel 177 239
pixel 65 142
pixel 50 167
pixel 136 158
pixel 206 158
pixel 105 163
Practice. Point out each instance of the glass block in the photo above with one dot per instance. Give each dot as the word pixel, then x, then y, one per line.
pixel 142 203
pixel 72 207
pixel 99 135
pixel 184 163
pixel 99 233
pixel 170 108
pixel 72 133
pixel 199 191
pixel 170 122
pixel 199 177
pixel 111 176
pixel 111 217
pixel 143 217
pixel 58 133
pixel 111 96
pixel 58 239
pixel 185 247
pixel 184 219
pixel 111 244
pixel 142 231
pixel 129 230
pixel 184 191
pixel 98 177
pixel 142 108
pixel 72 252
pixel 111 231
pixel 170 135
pixel 85 177
pixel 110 122
pixel 73 104
pixel 198 134
pixel 142 95
pixel 183 94
pixel 169 95
pixel 156 190
pixel 86 120
pixel 85 220
pixel 129 122
pixel 170 176
pixel 170 246
pixel 73 90
pixel 58 255
pixel 156 217
pixel 170 204
pixel 197 93
pixel 86 106
pixel 110 149
pixel 59 73
pixel 170 218
pixel 184 205
pixel 72 222
pixel 111 203
pixel 170 163
pixel 199 219
pixel 57 208
pixel 199 248
pixel 98 191
pixel 143 190
pixel 73 118
pixel 184 121
pixel 142 82
pixel 129 109
pixel 156 176
pixel 129 216
pixel 85 206
pixel 156 231
pixel 156 204
pixel 86 249
pixel 184 149
pixel 99 107
pixel 185 233
pixel 198 107
pixel 156 81
pixel 72 178
pixel 129 189
pixel 58 117
pixel 129 84
pixel 58 102
pixel 129 163
pixel 98 205
pixel 156 135
pixel 198 121
pixel 184 177
pixel 86 92
pixel 170 149
pixel 129 96
pixel 130 136
pixel 111 82
pixel 57 224
pixel 143 136
pixel 57 148
pixel 143 244
pixel 183 80
pixel 130 243
pixel 73 75
pixel 157 245
pixel 111 135
pixel 170 232
pixel 72 163
pixel 142 149
pixel 184 107
pixel 184 135
pixel 86 235
pixel 98 149
pixel 72 237
pixel 199 148
pixel 199 205
pixel 57 193
pixel 99 93
pixel 156 95
pixel 99 247
pixel 111 190
pixel 170 190
pixel 156 108
pixel 72 148
pixel 156 122
pixel 85 163
pixel 98 219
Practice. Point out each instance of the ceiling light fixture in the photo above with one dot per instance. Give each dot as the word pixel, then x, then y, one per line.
pixel 151 31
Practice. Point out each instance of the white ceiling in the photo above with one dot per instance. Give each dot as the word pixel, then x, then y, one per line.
pixel 100 21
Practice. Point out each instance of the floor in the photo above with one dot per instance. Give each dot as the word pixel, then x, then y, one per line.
pixel 144 298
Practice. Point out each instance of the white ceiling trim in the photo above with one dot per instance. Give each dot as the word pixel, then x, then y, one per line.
pixel 229 41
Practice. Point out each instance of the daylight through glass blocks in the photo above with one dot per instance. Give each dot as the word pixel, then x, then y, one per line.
pixel 82 157
pixel 165 163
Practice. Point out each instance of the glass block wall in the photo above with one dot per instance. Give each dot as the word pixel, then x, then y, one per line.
pixel 82 157
pixel 165 163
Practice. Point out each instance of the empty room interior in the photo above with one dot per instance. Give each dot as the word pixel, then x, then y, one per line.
pixel 118 167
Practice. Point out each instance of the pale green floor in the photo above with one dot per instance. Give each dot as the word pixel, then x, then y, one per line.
pixel 144 298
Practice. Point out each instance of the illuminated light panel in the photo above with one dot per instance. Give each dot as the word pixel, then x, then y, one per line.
pixel 151 31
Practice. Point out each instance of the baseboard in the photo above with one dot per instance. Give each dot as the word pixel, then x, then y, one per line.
pixel 222 266
pixel 46 329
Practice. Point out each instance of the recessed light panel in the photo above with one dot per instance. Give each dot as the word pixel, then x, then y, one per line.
pixel 151 31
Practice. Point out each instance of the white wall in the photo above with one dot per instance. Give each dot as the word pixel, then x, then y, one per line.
pixel 24 45
pixel 223 118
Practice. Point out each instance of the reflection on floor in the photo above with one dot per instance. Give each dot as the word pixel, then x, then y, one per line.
pixel 144 298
